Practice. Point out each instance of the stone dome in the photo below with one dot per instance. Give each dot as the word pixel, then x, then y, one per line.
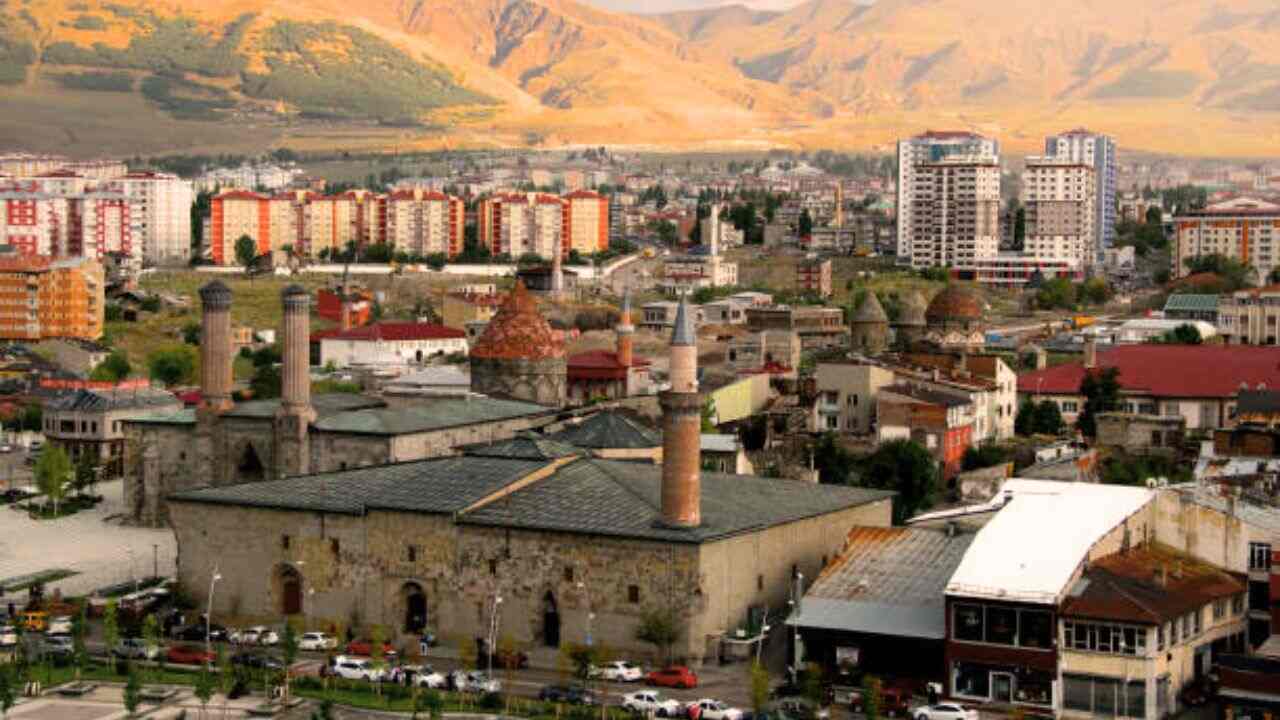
pixel 955 304
pixel 913 309
pixel 870 311
pixel 518 332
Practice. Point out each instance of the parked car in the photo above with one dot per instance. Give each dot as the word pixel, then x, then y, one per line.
pixel 572 694
pixel 244 636
pixel 365 648
pixel 317 641
pixel 617 671
pixel 895 700
pixel 195 632
pixel 355 668
pixel 267 636
pixel 421 676
pixel 944 711
pixel 708 709
pixel 135 649
pixel 8 636
pixel 59 625
pixel 644 702
pixel 258 661
pixel 6 448
pixel 676 676
pixel 59 648
pixel 800 708
pixel 507 659
pixel 189 655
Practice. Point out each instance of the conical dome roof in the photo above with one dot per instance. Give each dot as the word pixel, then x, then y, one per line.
pixel 870 311
pixel 518 331
pixel 913 307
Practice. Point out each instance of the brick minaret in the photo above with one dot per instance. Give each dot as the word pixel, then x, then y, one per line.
pixel 293 453
pixel 557 268
pixel 344 298
pixel 682 428
pixel 215 347
pixel 626 332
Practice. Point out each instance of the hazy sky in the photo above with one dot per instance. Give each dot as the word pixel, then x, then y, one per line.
pixel 658 6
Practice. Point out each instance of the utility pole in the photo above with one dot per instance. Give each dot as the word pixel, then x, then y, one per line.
pixel 155 560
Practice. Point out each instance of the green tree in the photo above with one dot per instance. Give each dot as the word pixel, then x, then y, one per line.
pixel 1234 274
pixel 205 685
pixel 152 635
pixel 1185 334
pixel 907 467
pixel 1019 228
pixel 172 366
pixel 114 368
pixel 833 461
pixel 7 696
pixel 1101 391
pixel 1024 421
pixel 246 251
pixel 86 470
pixel 872 699
pixel 376 657
pixel 266 382
pixel 659 629
pixel 1047 418
pixel 1095 291
pixel 977 457
pixel 79 652
pixel 289 646
pixel 759 688
pixel 805 224
pixel 1056 294
pixel 132 693
pixel 709 415
pixel 53 474
pixel 191 333
pixel 111 625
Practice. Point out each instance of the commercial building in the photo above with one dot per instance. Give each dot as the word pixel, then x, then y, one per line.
pixel 948 199
pixel 1098 152
pixel 42 298
pixel 1249 317
pixel 1059 195
pixel 1243 229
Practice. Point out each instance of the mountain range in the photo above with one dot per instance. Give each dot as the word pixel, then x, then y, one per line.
pixel 1197 77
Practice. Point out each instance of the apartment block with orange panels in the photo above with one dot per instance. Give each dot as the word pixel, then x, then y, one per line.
pixel 1242 229
pixel 42 298
pixel 517 224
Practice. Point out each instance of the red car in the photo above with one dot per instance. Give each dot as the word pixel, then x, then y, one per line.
pixel 677 676
pixel 189 655
pixel 364 648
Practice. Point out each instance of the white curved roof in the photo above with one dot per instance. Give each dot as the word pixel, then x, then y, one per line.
pixel 1031 549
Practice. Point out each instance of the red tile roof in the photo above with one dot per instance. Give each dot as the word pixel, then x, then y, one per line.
pixel 1172 371
pixel 602 359
pixel 393 331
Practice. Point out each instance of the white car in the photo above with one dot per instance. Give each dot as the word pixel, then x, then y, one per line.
pixel 352 668
pixel 944 711
pixel 649 701
pixel 246 636
pixel 59 625
pixel 425 677
pixel 475 682
pixel 8 636
pixel 618 671
pixel 317 641
pixel 267 636
pixel 713 710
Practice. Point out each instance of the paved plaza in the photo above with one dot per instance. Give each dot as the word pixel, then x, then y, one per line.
pixel 91 543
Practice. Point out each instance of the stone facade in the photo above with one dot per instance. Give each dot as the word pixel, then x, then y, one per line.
pixel 362 569
pixel 541 381
pixel 1145 434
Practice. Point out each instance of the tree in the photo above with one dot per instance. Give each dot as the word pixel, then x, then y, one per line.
pixel 658 628
pixel 1095 291
pixel 7 697
pixel 151 633
pixel 709 415
pixel 984 456
pixel 267 382
pixel 833 461
pixel 246 251
pixel 759 688
pixel 1024 421
pixel 1101 391
pixel 79 652
pixel 172 366
pixel 1185 334
pixel 376 659
pixel 436 261
pixel 132 693
pixel 289 646
pixel 1047 419
pixel 906 467
pixel 1234 274
pixel 871 697
pixel 191 333
pixel 114 368
pixel 205 684
pixel 111 625
pixel 1056 294
pixel 86 470
pixel 53 473
pixel 805 225
pixel 1019 228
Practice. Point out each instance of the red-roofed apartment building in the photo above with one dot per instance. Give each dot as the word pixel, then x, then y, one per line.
pixel 388 343
pixel 1197 382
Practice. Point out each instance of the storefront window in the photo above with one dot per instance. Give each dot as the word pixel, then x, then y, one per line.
pixel 1002 626
pixel 1037 629
pixel 968 623
pixel 1135 700
pixel 1035 689
pixel 1077 693
pixel 973 680
pixel 1104 696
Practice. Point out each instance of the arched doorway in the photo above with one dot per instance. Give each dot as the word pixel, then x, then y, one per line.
pixel 289 590
pixel 415 608
pixel 550 620
pixel 250 466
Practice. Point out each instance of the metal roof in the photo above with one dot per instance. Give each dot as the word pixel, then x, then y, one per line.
pixel 684 333
pixel 431 414
pixel 1188 302
pixel 1150 584
pixel 887 581
pixel 327 404
pixel 107 400
pixel 609 431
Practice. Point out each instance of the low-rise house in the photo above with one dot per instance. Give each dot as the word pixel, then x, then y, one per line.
pixel 461 308
pixel 74 355
pixel 814 276
pixel 389 343
pixel 724 312
pixel 818 327
pixel 846 396
pixel 941 422
pixel 766 350
pixel 1141 434
pixel 88 418
pixel 724 453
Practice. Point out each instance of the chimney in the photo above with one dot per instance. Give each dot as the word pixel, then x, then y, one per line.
pixel 626 332
pixel 682 428
pixel 296 373
pixel 1090 353
pixel 215 347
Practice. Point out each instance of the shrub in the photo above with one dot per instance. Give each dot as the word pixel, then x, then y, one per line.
pixel 89 22
pixel 96 81
pixel 15 56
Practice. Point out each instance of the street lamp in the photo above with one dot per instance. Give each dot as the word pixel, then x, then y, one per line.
pixel 493 631
pixel 208 615
pixel 797 590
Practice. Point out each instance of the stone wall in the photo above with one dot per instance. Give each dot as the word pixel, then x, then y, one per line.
pixel 1141 433
pixel 171 469
pixel 536 381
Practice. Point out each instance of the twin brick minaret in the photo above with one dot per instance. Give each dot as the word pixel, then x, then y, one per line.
pixel 682 428
pixel 626 332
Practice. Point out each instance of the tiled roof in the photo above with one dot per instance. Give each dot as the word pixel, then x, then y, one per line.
pixel 602 359
pixel 609 431
pixel 1149 584
pixel 954 303
pixel 395 332
pixel 887 581
pixel 442 485
pixel 623 499
pixel 103 401
pixel 518 331
pixel 525 446
pixel 324 405
pixel 870 311
pixel 1172 371
pixel 431 414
